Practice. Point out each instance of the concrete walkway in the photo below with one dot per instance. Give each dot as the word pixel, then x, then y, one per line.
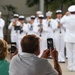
pixel 64 68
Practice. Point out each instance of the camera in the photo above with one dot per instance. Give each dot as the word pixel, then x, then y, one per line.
pixel 13 47
pixel 50 44
pixel 17 28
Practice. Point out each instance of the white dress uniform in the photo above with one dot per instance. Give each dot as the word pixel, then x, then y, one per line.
pixel 2 23
pixel 51 26
pixel 42 35
pixel 22 33
pixel 14 33
pixel 62 20
pixel 31 28
pixel 70 38
pixel 59 41
pixel 36 20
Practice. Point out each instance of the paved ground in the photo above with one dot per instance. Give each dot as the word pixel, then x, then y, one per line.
pixel 63 66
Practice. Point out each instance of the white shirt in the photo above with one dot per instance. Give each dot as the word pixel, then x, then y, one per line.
pixel 24 31
pixel 61 29
pixel 70 28
pixel 50 28
pixel 36 20
pixel 11 27
pixel 63 20
pixel 31 28
pixel 42 34
pixel 30 64
pixel 2 23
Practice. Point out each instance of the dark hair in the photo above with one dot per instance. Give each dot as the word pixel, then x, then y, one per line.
pixel 30 43
pixel 72 12
pixel 41 17
pixel 21 18
pixel 15 17
pixel 58 13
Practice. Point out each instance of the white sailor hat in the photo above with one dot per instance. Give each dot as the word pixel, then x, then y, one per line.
pixel 32 17
pixel 28 19
pixel 16 15
pixel 38 12
pixel 0 13
pixel 71 8
pixel 58 11
pixel 49 13
pixel 21 17
pixel 41 16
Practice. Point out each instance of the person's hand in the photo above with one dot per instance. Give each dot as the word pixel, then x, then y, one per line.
pixel 40 29
pixel 21 25
pixel 14 23
pixel 54 54
pixel 13 54
pixel 59 25
pixel 46 53
pixel 67 13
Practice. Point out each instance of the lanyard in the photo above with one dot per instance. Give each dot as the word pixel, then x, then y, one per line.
pixel 49 24
pixel 31 27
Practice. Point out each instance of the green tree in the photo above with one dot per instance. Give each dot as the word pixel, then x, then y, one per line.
pixel 51 4
pixel 31 3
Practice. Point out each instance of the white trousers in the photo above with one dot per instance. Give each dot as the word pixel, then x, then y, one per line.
pixel 43 46
pixel 19 46
pixel 14 38
pixel 59 45
pixel 70 47
pixel 19 43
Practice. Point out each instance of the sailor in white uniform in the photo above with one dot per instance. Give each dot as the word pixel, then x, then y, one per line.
pixel 51 24
pixel 59 37
pixel 2 23
pixel 12 27
pixel 31 25
pixel 23 32
pixel 42 33
pixel 70 37
pixel 63 19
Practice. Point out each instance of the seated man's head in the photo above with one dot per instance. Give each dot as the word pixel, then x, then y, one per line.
pixel 3 49
pixel 30 44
